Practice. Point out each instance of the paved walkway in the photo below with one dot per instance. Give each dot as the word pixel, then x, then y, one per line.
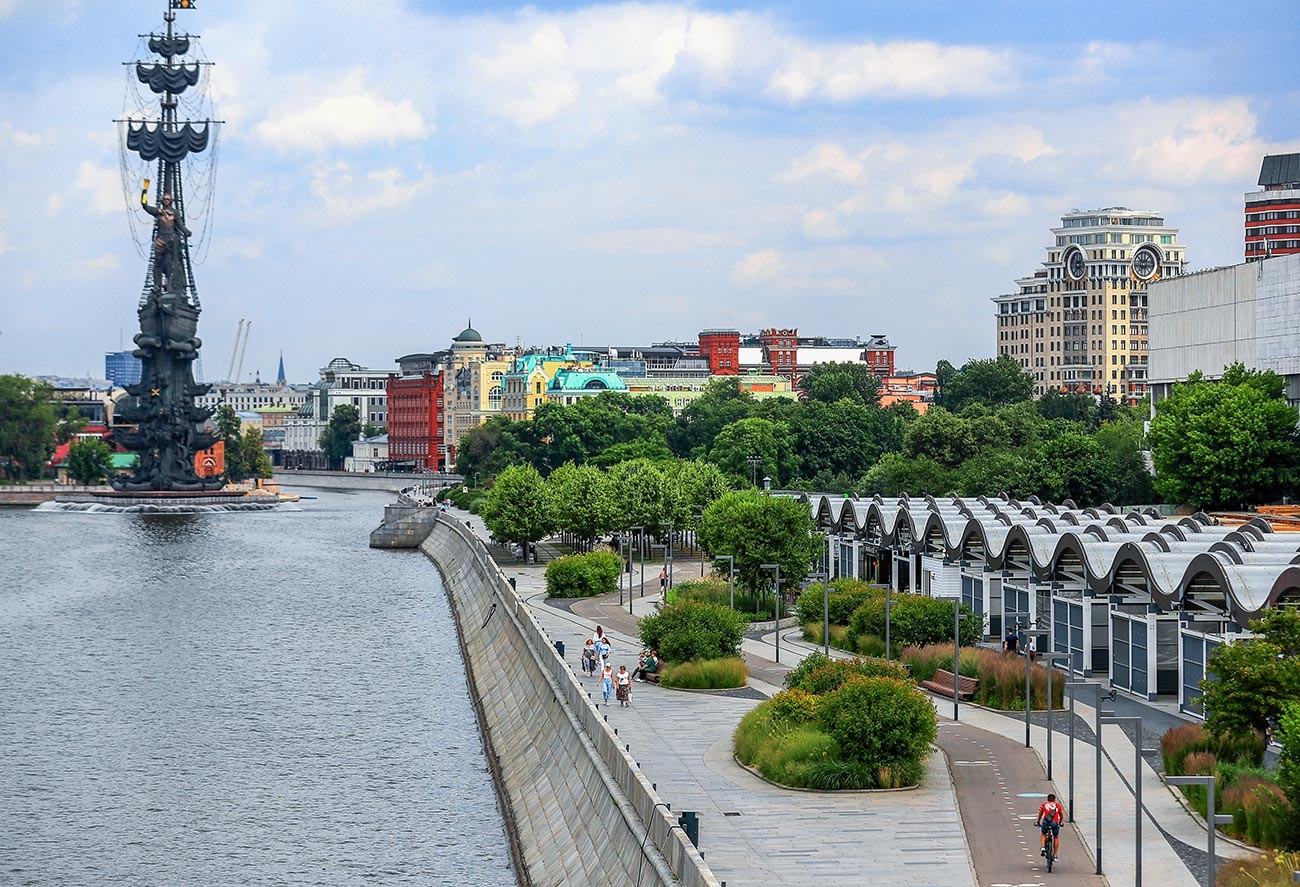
pixel 754 833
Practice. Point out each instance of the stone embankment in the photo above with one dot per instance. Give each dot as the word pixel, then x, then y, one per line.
pixel 391 482
pixel 578 809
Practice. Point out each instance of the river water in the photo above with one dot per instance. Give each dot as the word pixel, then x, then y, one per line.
pixel 234 699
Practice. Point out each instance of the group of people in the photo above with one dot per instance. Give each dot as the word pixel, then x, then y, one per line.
pixel 614 684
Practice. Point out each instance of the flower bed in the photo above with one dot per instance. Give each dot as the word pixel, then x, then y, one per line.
pixel 706 674
pixel 856 724
pixel 1001 675
pixel 757 608
pixel 1244 789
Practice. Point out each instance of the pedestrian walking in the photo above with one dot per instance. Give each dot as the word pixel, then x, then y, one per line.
pixel 663 579
pixel 602 650
pixel 607 684
pixel 589 657
pixel 624 682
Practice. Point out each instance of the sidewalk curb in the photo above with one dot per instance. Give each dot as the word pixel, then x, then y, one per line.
pixel 829 791
pixel 965 842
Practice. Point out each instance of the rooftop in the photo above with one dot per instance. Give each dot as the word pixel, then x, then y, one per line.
pixel 1280 169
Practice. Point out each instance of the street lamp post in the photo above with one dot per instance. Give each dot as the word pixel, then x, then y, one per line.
pixel 754 462
pixel 1212 819
pixel 1073 687
pixel 889 605
pixel 699 521
pixel 640 531
pixel 1049 658
pixel 731 576
pixel 826 611
pixel 1137 790
pixel 777 569
pixel 1029 664
pixel 957 617
pixel 668 555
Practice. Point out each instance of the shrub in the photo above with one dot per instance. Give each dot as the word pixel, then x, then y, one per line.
pixel 707 674
pixel 1265 870
pixel 1001 675
pixel 583 575
pixel 793 707
pixel 840 640
pixel 916 620
pixel 691 630
pixel 1241 747
pixel 882 723
pixel 1178 742
pixel 830 676
pixel 845 598
pixel 716 591
pixel 813 661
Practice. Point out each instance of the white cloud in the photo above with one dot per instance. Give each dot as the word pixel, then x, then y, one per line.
pixel 93 268
pixel 349 115
pixel 5 245
pixel 1193 140
pixel 346 195
pixel 757 268
pixel 434 275
pixel 890 70
pixel 96 187
pixel 662 241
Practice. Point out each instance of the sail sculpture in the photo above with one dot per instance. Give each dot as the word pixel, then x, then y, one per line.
pixel 167 427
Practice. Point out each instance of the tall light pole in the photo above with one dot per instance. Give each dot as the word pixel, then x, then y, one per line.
pixel 731 576
pixel 1029 664
pixel 754 462
pixel 640 531
pixel 1137 793
pixel 777 568
pixel 699 522
pixel 1048 659
pixel 1212 819
pixel 826 612
pixel 957 617
pixel 889 605
pixel 668 555
pixel 1073 687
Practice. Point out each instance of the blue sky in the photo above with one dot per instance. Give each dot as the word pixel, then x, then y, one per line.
pixel 624 172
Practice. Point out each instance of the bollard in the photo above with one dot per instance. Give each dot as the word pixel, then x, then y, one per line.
pixel 690 823
pixel 559 648
pixel 511 580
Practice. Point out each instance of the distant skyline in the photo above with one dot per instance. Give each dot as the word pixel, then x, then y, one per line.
pixel 621 173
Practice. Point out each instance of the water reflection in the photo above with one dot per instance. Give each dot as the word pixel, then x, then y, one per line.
pixel 248 699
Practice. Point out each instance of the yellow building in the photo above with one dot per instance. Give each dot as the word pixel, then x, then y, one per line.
pixel 1079 323
pixel 524 386
pixel 473 386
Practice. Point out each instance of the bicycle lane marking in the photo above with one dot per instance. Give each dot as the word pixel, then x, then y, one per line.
pixel 999 786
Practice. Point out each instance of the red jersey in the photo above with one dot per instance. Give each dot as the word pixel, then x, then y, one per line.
pixel 1050 811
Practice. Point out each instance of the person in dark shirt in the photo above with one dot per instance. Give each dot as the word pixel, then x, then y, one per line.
pixel 1012 642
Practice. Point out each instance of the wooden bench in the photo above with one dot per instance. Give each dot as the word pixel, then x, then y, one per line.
pixel 652 677
pixel 942 684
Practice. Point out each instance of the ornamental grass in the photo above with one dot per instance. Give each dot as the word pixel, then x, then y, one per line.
pixel 706 674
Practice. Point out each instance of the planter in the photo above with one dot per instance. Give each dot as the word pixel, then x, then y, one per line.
pixel 833 791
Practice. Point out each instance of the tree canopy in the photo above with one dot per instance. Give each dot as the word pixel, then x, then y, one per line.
pixel 90 460
pixel 993 383
pixel 27 426
pixel 343 429
pixel 1228 443
pixel 518 507
pixel 832 382
pixel 756 528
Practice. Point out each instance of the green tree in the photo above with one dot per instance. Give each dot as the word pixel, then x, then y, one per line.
pixel 769 441
pixel 490 448
pixel 89 460
pixel 1073 405
pixel 1129 481
pixel 343 429
pixel 895 474
pixel 1252 681
pixel 993 383
pixel 1072 466
pixel 835 381
pixel 229 427
pixel 757 528
pixel 1227 443
pixel 252 460
pixel 989 474
pixel 844 437
pixel 518 507
pixel 27 424
pixel 940 436
pixel 581 502
pixel 641 495
pixel 722 403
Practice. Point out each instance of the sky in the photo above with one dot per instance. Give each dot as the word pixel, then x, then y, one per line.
pixel 620 173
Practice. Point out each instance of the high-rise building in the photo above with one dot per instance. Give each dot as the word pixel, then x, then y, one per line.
pixel 415 421
pixel 1079 322
pixel 122 368
pixel 1273 212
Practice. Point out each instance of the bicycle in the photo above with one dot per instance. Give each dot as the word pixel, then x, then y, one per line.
pixel 1048 853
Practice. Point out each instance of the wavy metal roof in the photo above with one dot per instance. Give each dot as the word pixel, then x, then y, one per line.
pixel 1185 562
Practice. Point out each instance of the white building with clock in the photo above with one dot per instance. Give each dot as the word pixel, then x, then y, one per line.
pixel 1079 322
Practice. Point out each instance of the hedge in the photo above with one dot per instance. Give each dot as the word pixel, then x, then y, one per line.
pixel 693 630
pixel 583 575
pixel 916 620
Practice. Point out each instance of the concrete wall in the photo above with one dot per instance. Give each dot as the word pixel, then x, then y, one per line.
pixel 343 480
pixel 575 802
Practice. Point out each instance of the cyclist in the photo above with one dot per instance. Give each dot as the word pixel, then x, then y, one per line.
pixel 1050 816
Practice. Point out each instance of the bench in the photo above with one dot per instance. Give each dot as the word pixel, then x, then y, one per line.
pixel 942 685
pixel 652 677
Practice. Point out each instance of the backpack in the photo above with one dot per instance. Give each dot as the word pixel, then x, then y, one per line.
pixel 1052 812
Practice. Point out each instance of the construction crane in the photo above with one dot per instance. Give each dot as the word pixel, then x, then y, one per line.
pixel 239 371
pixel 234 349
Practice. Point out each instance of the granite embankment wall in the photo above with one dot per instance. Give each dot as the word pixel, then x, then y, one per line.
pixel 579 810
pixel 351 480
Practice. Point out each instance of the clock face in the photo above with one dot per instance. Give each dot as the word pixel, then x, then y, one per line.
pixel 1075 266
pixel 1144 264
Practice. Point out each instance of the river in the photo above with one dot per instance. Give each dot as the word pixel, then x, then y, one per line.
pixel 234 699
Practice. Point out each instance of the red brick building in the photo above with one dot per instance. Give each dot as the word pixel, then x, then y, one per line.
pixel 722 349
pixel 415 421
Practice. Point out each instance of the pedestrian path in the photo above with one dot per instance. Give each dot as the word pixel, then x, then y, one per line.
pixel 755 833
